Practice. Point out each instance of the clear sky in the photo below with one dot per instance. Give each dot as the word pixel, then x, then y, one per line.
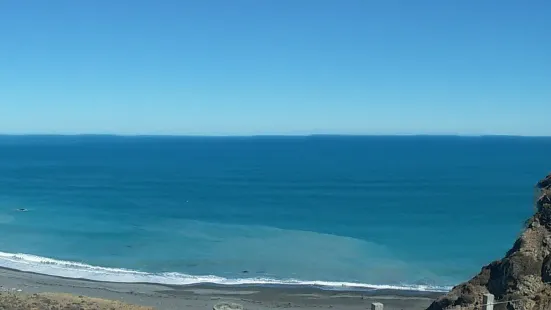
pixel 240 67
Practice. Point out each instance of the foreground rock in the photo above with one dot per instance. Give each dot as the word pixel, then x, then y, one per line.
pixel 522 279
pixel 50 301
pixel 227 306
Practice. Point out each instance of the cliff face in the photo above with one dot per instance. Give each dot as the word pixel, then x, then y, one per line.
pixel 523 275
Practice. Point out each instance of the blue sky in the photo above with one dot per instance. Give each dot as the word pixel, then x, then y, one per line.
pixel 245 67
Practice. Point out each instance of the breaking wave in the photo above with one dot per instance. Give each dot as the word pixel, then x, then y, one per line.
pixel 76 270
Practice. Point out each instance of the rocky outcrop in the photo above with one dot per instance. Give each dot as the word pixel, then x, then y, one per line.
pixel 522 279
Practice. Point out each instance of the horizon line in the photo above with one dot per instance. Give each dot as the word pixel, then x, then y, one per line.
pixel 115 135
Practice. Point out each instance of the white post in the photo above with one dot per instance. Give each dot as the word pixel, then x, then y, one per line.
pixel 488 302
pixel 376 306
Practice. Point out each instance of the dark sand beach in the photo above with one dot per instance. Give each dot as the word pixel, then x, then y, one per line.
pixel 22 290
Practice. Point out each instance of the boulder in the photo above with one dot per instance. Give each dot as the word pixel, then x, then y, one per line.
pixel 227 306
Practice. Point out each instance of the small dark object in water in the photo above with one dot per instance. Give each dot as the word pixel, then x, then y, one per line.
pixel 245 271
pixel 22 210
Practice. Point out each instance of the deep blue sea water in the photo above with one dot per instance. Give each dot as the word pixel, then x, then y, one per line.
pixel 415 212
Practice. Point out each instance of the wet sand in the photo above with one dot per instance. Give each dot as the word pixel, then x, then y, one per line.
pixel 47 292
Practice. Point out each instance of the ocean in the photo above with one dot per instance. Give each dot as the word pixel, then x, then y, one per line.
pixel 399 212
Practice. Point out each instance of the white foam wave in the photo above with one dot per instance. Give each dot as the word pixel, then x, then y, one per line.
pixel 68 269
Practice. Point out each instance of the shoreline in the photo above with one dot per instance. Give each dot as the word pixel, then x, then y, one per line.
pixel 205 296
pixel 31 263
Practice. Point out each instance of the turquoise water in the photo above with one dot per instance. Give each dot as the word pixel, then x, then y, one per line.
pixel 400 212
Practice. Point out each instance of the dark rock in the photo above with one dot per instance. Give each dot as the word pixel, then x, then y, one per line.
pixel 544 214
pixel 546 269
pixel 543 201
pixel 545 183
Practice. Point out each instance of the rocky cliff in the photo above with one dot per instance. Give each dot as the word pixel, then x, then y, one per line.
pixel 523 276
